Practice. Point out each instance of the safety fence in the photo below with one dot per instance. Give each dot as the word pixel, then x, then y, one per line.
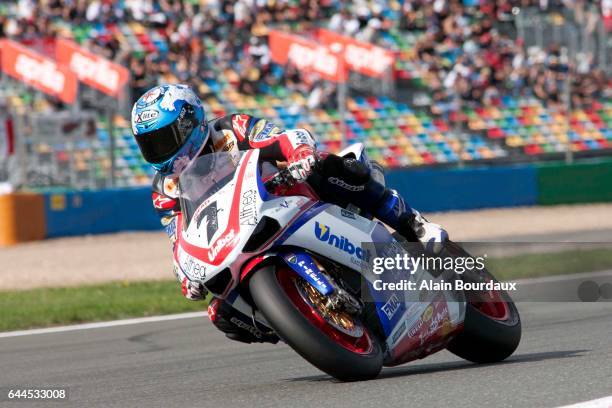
pixel 582 32
pixel 32 216
pixel 59 105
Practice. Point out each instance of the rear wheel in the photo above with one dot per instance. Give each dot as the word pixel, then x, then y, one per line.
pixel 492 326
pixel 335 342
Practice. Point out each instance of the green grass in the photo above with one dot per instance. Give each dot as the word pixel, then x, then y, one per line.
pixel 549 264
pixel 119 300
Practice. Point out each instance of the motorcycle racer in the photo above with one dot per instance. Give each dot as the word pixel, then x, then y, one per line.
pixel 171 129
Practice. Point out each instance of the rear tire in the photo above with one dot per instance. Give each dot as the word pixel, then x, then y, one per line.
pixel 485 340
pixel 491 331
pixel 304 337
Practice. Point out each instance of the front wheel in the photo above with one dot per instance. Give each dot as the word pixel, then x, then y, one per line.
pixel 335 342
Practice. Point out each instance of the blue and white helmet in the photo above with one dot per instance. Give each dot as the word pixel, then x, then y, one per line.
pixel 169 124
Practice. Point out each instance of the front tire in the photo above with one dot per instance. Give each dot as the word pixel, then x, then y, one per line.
pixel 276 294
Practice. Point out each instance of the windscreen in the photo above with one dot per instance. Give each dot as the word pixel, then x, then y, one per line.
pixel 205 177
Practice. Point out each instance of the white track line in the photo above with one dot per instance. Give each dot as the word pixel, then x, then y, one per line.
pixel 99 325
pixel 153 319
pixel 605 402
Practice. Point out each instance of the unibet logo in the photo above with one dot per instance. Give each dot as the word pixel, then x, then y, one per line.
pixel 221 244
pixel 323 233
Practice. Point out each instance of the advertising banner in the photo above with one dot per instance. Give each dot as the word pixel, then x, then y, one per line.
pixel 93 70
pixel 306 55
pixel 38 71
pixel 361 57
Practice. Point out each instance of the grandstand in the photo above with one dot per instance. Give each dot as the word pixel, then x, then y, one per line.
pixel 493 121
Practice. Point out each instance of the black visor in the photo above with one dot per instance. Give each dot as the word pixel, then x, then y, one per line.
pixel 161 144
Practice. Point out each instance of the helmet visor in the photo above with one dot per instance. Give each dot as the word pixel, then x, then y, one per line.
pixel 161 144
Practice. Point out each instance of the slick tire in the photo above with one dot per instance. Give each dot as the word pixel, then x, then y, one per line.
pixel 487 338
pixel 304 337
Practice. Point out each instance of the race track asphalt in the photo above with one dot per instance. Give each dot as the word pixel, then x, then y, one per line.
pixel 565 357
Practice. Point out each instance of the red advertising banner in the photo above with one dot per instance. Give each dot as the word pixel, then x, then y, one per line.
pixel 37 71
pixel 361 57
pixel 95 71
pixel 307 55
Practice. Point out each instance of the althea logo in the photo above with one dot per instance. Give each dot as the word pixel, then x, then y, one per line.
pixel 323 233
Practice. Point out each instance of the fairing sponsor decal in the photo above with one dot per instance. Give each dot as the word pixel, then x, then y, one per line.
pixel 212 220
pixel 324 233
pixel 303 264
pixel 398 333
pixel 227 240
pixel 191 266
pixel 391 307
pixel 433 323
pixel 248 208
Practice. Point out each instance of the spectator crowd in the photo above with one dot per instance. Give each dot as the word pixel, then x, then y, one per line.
pixel 470 52
pixel 466 52
pixel 204 38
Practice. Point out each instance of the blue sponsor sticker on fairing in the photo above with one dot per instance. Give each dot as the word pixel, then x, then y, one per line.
pixel 391 307
pixel 303 264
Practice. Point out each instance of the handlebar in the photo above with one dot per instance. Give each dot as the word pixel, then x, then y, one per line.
pixel 281 179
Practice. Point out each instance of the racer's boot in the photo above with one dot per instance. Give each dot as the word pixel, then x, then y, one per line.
pixel 408 222
pixel 236 325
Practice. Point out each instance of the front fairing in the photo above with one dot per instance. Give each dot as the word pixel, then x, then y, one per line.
pixel 222 197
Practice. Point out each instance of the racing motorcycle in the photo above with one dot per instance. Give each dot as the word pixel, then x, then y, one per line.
pixel 299 270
